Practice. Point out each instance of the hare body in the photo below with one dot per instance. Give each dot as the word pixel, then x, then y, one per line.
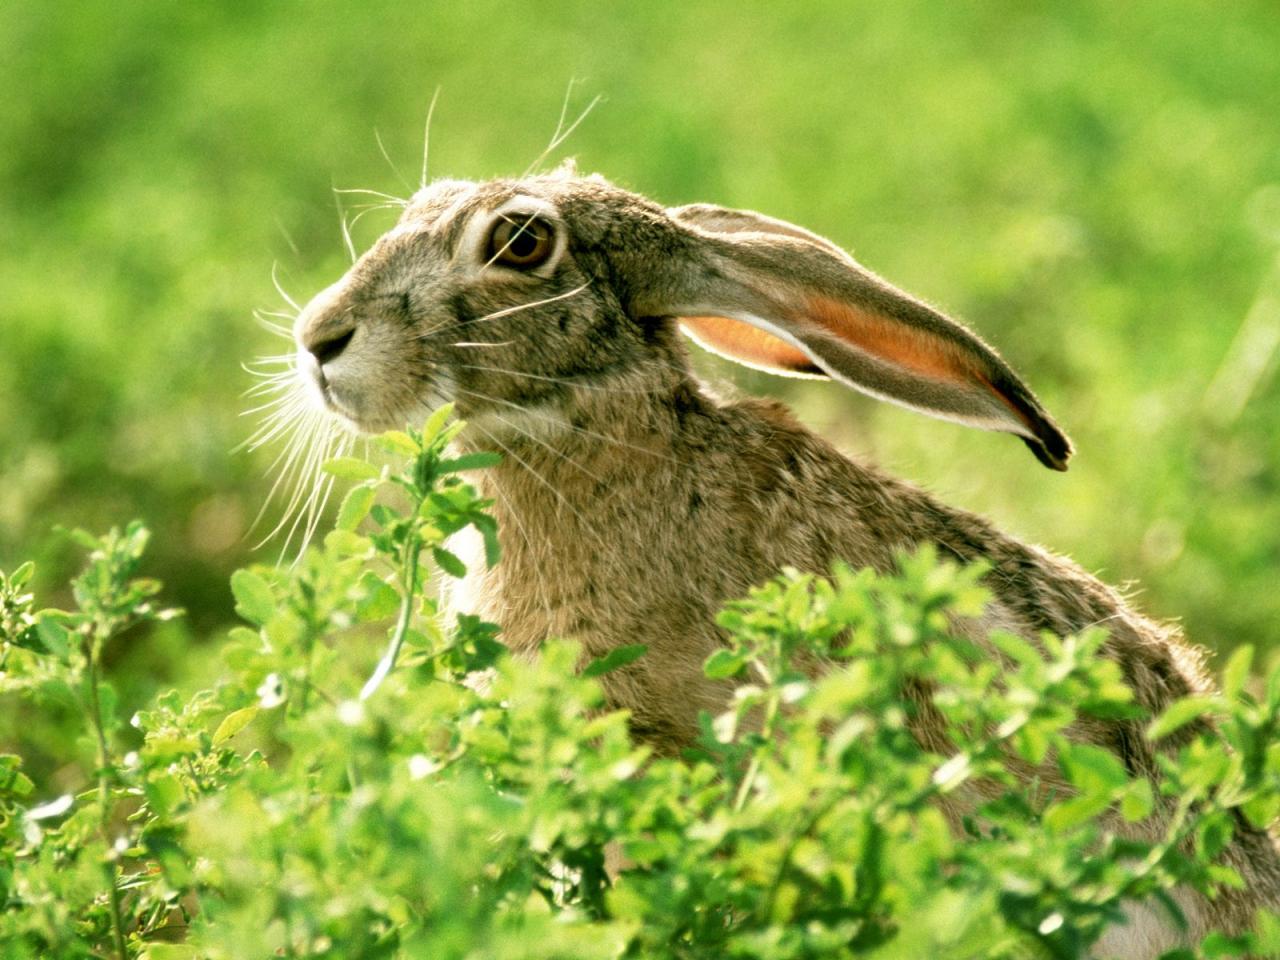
pixel 627 511
pixel 632 504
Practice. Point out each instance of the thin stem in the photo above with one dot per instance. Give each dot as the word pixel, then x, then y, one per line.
pixel 409 587
pixel 308 654
pixel 111 865
pixel 766 733
pixel 771 897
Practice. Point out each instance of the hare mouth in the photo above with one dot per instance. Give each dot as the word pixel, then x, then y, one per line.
pixel 366 408
pixel 336 408
pixel 329 399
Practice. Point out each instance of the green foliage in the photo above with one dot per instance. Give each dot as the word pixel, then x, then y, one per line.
pixel 466 804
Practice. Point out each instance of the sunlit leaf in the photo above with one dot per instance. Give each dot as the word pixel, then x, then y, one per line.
pixel 351 468
pixel 254 599
pixel 614 659
pixel 233 723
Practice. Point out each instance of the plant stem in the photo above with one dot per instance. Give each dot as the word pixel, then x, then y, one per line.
pixel 308 654
pixel 409 587
pixel 753 769
pixel 111 866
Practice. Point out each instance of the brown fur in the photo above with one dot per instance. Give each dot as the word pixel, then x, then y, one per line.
pixel 633 504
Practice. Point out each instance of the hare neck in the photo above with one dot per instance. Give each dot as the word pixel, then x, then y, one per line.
pixel 564 464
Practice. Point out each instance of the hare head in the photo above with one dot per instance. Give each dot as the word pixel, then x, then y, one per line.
pixel 496 295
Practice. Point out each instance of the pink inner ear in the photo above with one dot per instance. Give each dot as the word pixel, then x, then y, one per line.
pixel 749 345
pixel 891 341
pixel 909 348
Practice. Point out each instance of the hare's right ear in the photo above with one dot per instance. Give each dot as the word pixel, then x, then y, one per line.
pixel 775 296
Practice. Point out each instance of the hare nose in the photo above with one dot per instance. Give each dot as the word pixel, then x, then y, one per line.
pixel 330 347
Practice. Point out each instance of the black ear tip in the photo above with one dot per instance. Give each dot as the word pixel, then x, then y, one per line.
pixel 1051 446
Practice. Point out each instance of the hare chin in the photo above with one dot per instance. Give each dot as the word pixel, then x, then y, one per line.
pixel 540 421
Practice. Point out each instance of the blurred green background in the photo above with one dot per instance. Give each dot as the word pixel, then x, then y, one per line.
pixel 1094 186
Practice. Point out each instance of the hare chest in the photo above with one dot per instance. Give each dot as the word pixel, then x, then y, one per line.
pixel 646 558
pixel 604 594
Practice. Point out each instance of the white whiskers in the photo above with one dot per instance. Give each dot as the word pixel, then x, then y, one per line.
pixel 275 281
pixel 498 314
pixel 390 163
pixel 562 133
pixel 314 437
pixel 346 227
pixel 426 136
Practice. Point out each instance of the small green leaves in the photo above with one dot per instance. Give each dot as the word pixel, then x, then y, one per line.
pixel 13 782
pixel 350 468
pixel 355 507
pixel 1138 801
pixel 1181 713
pixel 398 442
pixel 815 817
pixel 1236 672
pixel 233 723
pixel 254 599
pixel 434 425
pixel 449 562
pixel 471 461
pixel 169 951
pixel 618 657
pixel 164 793
pixel 55 637
pixel 724 664
pixel 440 505
pixel 21 576
pixel 488 528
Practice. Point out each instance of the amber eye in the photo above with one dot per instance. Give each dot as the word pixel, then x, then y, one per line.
pixel 520 242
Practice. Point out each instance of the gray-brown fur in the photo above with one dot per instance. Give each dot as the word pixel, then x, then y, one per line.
pixel 632 503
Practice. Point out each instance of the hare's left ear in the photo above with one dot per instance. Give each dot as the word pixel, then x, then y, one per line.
pixel 775 296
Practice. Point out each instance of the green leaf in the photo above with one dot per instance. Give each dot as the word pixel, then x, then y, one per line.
pixel 254 599
pixel 449 562
pixel 435 423
pixel 55 637
pixel 1138 801
pixel 1236 672
pixel 397 441
pixel 164 793
pixel 1217 945
pixel 1093 769
pixel 380 599
pixel 614 659
pixel 12 780
pixel 169 951
pixel 169 744
pixel 1061 817
pixel 351 468
pixel 233 723
pixel 1262 809
pixel 1179 714
pixel 1016 648
pixel 18 579
pixel 489 532
pixel 355 507
pixel 344 543
pixel 470 461
pixel 724 663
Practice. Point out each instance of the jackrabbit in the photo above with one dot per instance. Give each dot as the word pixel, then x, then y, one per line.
pixel 632 503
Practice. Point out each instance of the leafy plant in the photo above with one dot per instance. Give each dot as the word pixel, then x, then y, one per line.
pixel 461 803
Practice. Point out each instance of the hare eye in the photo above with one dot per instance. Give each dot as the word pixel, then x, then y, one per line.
pixel 522 243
